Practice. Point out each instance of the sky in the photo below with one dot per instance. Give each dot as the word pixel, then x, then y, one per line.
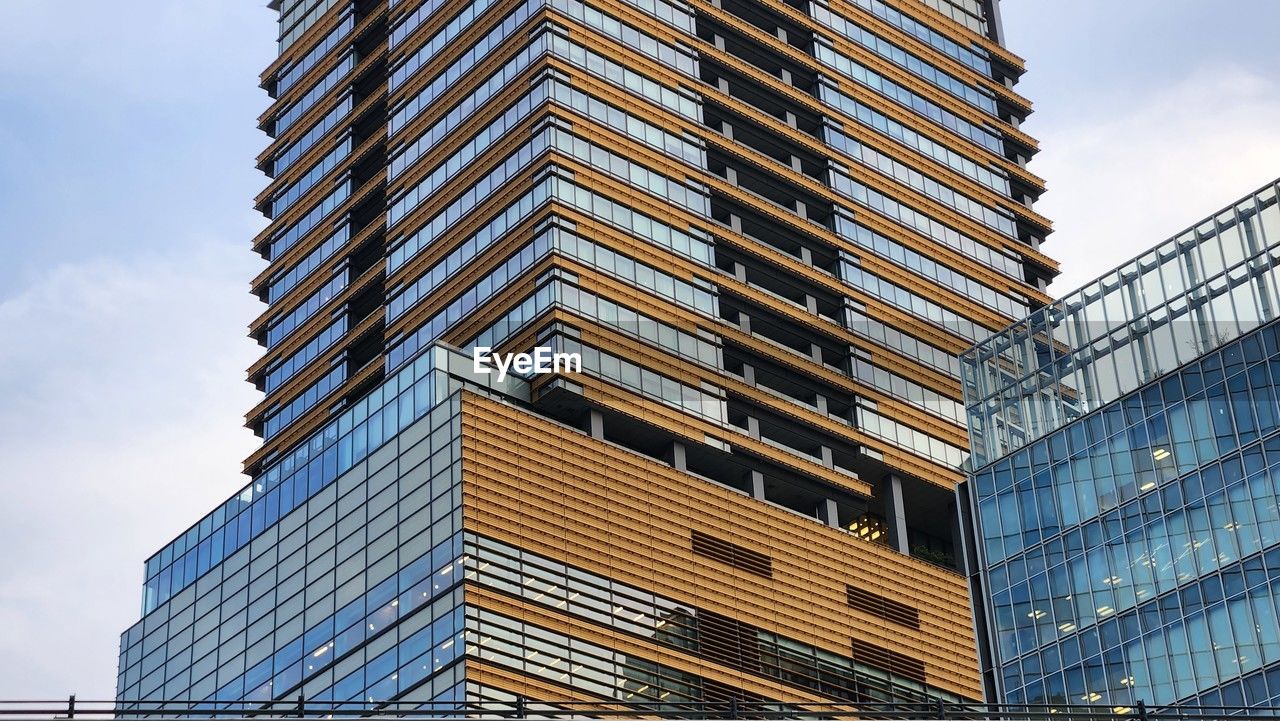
pixel 127 145
pixel 1151 115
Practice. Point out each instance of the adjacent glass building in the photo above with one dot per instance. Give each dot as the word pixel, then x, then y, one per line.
pixel 1126 444
pixel 768 228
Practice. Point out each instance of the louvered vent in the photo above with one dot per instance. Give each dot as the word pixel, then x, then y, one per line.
pixel 732 554
pixel 886 608
pixel 891 661
pixel 728 641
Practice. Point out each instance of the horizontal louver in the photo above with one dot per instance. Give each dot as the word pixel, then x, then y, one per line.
pixel 728 641
pixel 732 554
pixel 882 658
pixel 886 608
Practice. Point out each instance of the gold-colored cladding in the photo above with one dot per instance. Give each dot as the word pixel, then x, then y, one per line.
pixel 538 485
pixel 668 77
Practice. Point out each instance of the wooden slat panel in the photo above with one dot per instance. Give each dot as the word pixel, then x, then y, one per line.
pixel 537 484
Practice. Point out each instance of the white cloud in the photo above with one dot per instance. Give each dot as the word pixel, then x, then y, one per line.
pixel 120 427
pixel 1141 171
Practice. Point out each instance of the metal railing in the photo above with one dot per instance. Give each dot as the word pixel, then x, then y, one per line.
pixel 521 708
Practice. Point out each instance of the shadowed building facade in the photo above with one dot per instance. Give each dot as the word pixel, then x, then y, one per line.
pixel 1126 441
pixel 767 228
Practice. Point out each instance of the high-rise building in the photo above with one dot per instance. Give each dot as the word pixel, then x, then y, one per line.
pixel 1126 445
pixel 766 228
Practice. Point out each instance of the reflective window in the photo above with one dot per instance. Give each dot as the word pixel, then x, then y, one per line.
pixel 465 156
pixel 894 210
pixel 647 278
pixel 287 368
pixel 890 337
pixel 286 198
pixel 281 326
pixel 450 75
pixel 423 55
pixel 915 304
pixel 290 278
pixel 350 594
pixel 973 56
pixel 1163 309
pixel 322 127
pixel 299 69
pixel 287 117
pixel 298 17
pixel 1135 553
pixel 577 592
pixel 976 96
pixel 640 379
pixel 990 176
pixel 928 268
pixel 311 466
pixel 997 219
pixel 984 136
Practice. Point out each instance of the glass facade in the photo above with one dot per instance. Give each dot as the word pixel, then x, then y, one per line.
pixel 350 596
pixel 1133 553
pixel 675 193
pixel 287 484
pixel 1187 295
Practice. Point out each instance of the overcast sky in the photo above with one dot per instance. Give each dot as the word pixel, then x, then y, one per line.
pixel 127 142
